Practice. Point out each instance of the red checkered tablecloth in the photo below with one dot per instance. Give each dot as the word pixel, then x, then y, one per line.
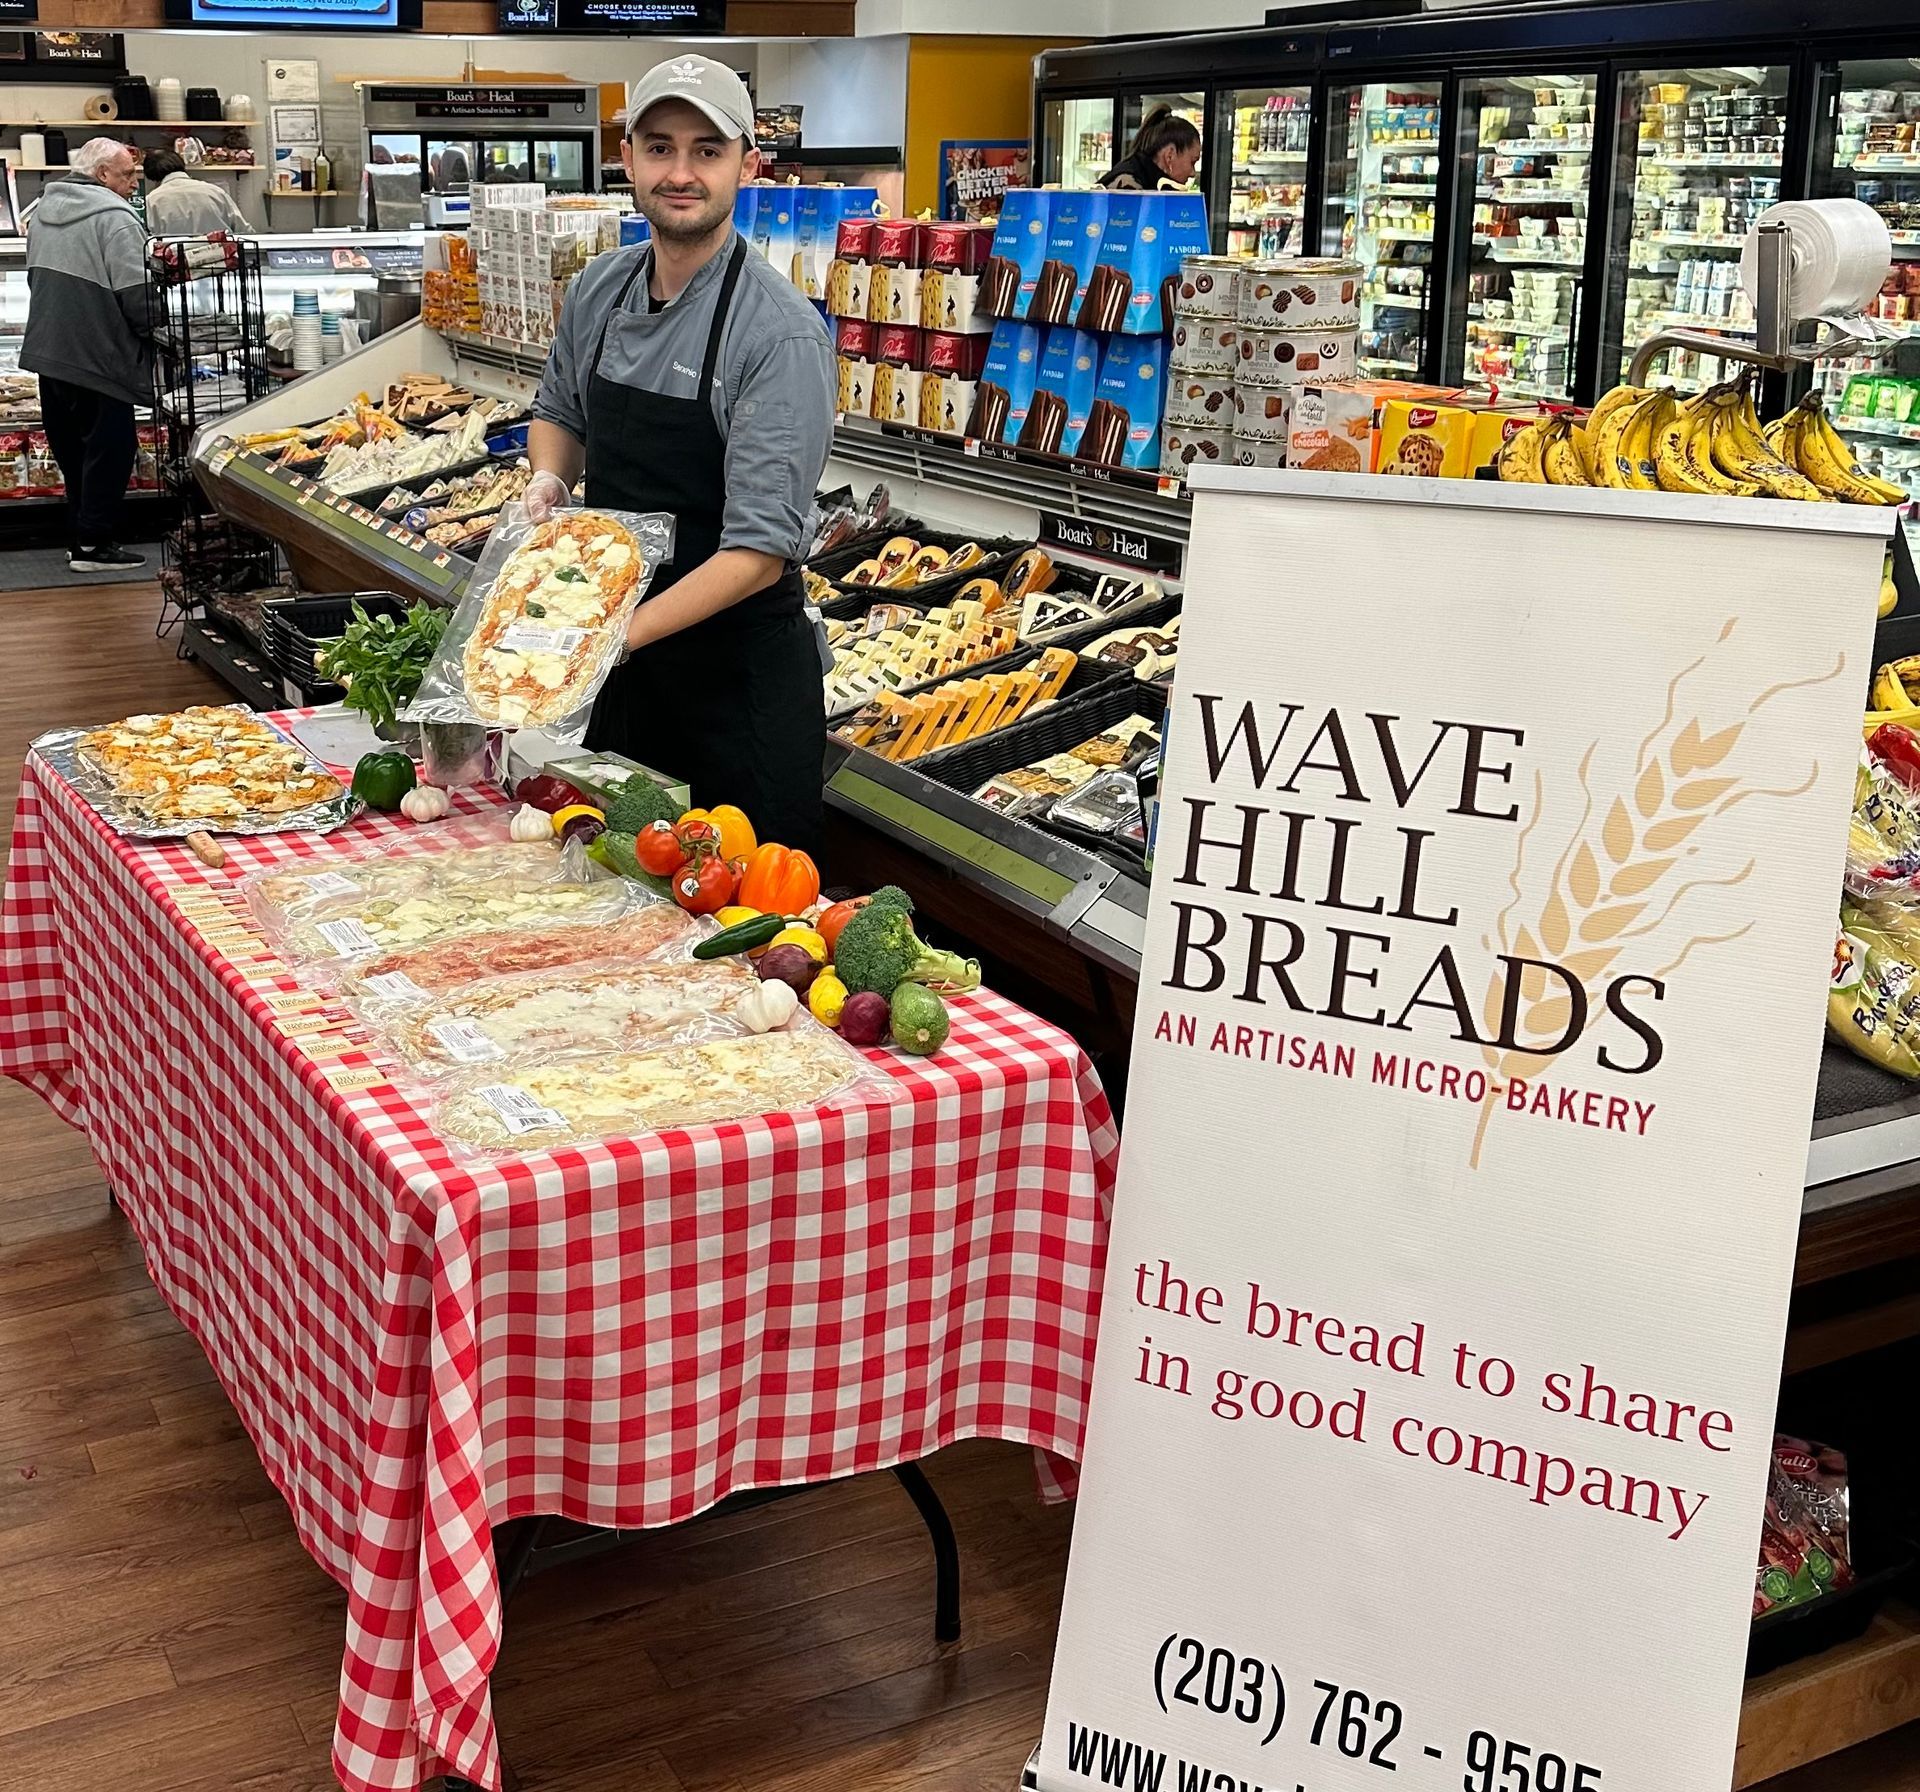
pixel 624 1335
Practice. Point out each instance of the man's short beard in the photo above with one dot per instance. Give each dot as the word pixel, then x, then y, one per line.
pixel 678 229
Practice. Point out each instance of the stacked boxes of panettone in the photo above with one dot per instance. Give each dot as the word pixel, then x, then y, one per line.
pixel 908 328
pixel 529 247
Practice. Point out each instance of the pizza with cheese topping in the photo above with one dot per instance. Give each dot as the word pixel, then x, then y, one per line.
pixel 577 1100
pixel 205 763
pixel 543 630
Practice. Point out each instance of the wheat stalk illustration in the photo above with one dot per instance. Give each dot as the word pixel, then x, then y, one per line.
pixel 1619 874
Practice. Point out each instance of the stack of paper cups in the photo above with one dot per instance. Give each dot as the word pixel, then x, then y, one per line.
pixel 1838 250
pixel 169 99
pixel 330 343
pixel 307 351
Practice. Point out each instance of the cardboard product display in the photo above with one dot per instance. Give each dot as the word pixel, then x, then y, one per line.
pixel 854 336
pixel 1073 244
pixel 853 241
pixel 1019 249
pixel 854 374
pixel 951 301
pixel 896 242
pixel 957 247
pixel 818 212
pixel 850 289
pixel 947 401
pixel 1123 427
pixel 900 345
pixel 776 228
pixel 896 393
pixel 893 294
pixel 1007 380
pixel 946 352
pixel 1146 237
pixel 1069 378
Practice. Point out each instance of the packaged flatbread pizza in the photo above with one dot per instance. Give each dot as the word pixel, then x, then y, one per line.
pixel 544 620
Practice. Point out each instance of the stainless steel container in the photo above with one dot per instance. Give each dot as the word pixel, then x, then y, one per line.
pixel 398 298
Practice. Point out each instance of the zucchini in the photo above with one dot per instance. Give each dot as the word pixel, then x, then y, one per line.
pixel 742 936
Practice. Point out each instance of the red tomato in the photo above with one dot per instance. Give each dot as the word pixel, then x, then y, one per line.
pixel 834 918
pixel 703 885
pixel 696 835
pixel 659 850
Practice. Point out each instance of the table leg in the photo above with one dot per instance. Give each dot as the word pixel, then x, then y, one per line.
pixel 946 1553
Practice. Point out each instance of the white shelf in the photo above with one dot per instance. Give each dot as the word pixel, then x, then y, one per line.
pixel 1755 162
pixel 1531 258
pixel 1399 236
pixel 1414 189
pixel 1382 362
pixel 1275 159
pixel 1536 196
pixel 1886 164
pixel 184 127
pixel 1695 239
pixel 1534 332
pixel 1540 146
pixel 1388 301
pixel 1398 146
pixel 1874 426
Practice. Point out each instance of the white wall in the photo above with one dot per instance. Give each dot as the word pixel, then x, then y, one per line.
pixel 854 89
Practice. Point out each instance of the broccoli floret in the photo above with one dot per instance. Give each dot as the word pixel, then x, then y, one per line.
pixel 615 851
pixel 878 951
pixel 637 805
pixel 891 896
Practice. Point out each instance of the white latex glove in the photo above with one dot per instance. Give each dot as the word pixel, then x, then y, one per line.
pixel 545 493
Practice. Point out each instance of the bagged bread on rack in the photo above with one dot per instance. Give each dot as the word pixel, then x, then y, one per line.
pixel 544 620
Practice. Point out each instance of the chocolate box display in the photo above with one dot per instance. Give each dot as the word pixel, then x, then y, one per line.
pixel 1073 244
pixel 1295 293
pixel 1068 384
pixel 1210 286
pixel 1019 248
pixel 1123 428
pixel 1136 281
pixel 1287 357
pixel 1007 381
pixel 1206 344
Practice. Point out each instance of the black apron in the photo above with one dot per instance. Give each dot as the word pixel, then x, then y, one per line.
pixel 734 704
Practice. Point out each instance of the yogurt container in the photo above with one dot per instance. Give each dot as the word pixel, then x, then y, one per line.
pixel 1206 344
pixel 1181 447
pixel 1286 357
pixel 1209 286
pixel 1199 400
pixel 1296 293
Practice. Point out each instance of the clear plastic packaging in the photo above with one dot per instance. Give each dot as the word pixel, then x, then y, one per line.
pixel 1805 1551
pixel 536 1017
pixel 323 916
pixel 1883 845
pixel 582 1100
pixel 410 977
pixel 544 620
pixel 1873 997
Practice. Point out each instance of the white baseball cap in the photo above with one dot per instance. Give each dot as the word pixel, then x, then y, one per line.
pixel 700 81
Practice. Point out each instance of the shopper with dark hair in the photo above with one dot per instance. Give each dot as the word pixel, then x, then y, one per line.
pixel 179 205
pixel 1166 149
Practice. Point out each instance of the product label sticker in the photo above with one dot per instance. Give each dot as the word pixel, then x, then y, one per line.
pixel 527 637
pixel 396 986
pixel 351 1081
pixel 330 883
pixel 293 1001
pixel 346 936
pixel 518 1110
pixel 464 1041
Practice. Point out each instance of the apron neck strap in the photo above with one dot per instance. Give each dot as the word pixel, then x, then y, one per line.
pixel 712 360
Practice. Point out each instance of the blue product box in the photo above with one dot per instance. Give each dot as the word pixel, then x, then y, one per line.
pixel 1073 247
pixel 746 207
pixel 1146 237
pixel 1019 250
pixel 634 229
pixel 776 229
pixel 1007 382
pixel 1069 377
pixel 1123 429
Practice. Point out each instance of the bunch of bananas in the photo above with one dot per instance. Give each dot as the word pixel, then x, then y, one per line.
pixel 1895 696
pixel 1641 438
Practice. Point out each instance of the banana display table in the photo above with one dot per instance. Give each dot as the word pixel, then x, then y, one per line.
pixel 668 1320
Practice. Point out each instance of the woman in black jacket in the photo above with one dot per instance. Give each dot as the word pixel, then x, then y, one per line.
pixel 1166 148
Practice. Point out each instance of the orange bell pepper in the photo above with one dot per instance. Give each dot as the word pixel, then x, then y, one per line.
pixel 731 824
pixel 778 881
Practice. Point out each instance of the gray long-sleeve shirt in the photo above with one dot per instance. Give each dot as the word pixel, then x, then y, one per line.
pixel 773 391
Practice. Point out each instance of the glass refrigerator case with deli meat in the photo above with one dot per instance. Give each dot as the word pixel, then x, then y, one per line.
pixel 1527 145
pixel 1382 182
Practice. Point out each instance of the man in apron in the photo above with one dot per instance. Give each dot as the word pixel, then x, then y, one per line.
pixel 688 376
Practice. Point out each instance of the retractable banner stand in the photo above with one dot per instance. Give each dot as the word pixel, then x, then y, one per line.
pixel 1494 903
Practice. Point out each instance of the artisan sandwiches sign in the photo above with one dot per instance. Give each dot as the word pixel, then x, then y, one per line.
pixel 1478 1026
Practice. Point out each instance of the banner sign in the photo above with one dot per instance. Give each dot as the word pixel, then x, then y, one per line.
pixel 975 176
pixel 1111 542
pixel 1494 903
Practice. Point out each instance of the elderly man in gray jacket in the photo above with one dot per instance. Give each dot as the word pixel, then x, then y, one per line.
pixel 88 337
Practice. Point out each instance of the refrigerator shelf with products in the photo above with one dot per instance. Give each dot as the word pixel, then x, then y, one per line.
pixel 1264 132
pixel 1383 161
pixel 1701 153
pixel 1077 141
pixel 1528 139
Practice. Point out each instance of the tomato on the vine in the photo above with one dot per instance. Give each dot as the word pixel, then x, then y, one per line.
pixel 659 850
pixel 696 834
pixel 703 885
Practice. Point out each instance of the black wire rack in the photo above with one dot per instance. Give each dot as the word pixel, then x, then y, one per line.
pixel 207 312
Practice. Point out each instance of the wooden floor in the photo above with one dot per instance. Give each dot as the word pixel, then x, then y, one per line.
pixel 160 1629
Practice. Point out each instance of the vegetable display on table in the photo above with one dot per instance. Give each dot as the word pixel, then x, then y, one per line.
pixel 380 661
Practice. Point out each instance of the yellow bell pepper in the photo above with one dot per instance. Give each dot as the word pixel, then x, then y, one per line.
pixel 826 997
pixel 731 824
pixel 806 938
